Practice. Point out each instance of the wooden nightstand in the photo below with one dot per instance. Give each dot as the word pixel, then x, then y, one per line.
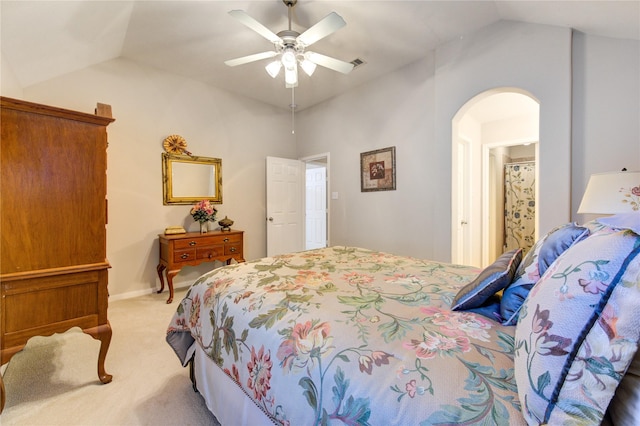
pixel 194 248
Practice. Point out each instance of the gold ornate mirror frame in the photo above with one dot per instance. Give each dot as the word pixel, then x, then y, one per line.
pixel 187 179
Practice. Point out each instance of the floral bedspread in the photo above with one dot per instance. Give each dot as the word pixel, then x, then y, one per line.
pixel 345 335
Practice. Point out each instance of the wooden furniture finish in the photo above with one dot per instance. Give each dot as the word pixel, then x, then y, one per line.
pixel 53 215
pixel 193 248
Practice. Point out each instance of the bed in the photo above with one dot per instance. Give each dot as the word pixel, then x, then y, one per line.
pixel 347 335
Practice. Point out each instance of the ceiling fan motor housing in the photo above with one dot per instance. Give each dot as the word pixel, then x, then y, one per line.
pixel 288 37
pixel 289 43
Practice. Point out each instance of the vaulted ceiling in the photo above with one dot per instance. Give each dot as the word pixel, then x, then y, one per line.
pixel 44 39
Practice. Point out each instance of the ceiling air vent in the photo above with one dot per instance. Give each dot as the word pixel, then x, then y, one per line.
pixel 357 62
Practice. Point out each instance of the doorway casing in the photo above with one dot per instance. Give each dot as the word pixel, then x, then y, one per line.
pixel 319 160
pixel 287 203
pixel 496 109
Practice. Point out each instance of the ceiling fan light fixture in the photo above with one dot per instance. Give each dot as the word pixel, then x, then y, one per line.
pixel 308 67
pixel 273 68
pixel 289 58
pixel 291 76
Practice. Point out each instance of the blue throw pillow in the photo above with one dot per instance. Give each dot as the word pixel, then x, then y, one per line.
pixel 557 242
pixel 492 279
pixel 512 300
pixel 489 309
pixel 536 262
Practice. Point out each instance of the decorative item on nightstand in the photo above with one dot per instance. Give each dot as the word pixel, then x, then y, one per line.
pixel 173 230
pixel 611 193
pixel 204 212
pixel 225 224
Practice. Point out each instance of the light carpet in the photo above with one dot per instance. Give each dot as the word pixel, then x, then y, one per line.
pixel 54 380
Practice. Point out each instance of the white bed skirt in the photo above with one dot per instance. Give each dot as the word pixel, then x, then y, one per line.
pixel 223 398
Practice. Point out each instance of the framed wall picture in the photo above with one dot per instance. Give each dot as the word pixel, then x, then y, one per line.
pixel 378 170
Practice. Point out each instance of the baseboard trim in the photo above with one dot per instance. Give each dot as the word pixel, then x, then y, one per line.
pixel 144 292
pixel 131 294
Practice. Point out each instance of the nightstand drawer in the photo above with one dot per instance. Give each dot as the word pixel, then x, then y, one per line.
pixel 198 242
pixel 232 238
pixel 233 248
pixel 210 252
pixel 184 255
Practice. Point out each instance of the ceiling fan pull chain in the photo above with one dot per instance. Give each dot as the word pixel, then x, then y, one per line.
pixel 293 112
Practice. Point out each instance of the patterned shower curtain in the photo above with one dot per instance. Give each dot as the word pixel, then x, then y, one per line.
pixel 520 205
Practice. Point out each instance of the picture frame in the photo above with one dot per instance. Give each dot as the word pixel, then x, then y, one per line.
pixel 378 170
pixel 188 179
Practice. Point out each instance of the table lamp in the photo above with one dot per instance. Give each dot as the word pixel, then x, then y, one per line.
pixel 612 193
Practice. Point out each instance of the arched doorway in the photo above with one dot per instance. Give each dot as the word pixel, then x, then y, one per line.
pixel 496 128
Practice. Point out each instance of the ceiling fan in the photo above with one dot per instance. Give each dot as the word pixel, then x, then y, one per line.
pixel 290 46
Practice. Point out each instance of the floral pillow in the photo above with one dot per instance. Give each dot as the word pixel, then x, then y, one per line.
pixel 492 279
pixel 578 331
pixel 595 226
pixel 629 220
pixel 625 405
pixel 534 265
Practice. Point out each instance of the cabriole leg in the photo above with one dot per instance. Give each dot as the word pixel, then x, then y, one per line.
pixel 160 268
pixel 102 333
pixel 2 397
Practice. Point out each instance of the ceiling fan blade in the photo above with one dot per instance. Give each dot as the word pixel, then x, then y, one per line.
pixel 250 58
pixel 256 26
pixel 329 62
pixel 327 25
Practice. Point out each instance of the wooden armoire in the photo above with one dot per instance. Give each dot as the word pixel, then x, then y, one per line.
pixel 53 216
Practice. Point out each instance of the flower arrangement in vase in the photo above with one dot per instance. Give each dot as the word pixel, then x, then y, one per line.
pixel 204 212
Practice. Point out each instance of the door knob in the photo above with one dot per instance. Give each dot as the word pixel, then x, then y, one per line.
pixel 270 219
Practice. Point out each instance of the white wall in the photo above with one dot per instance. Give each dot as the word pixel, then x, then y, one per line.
pixel 396 110
pixel 606 110
pixel 9 82
pixel 588 90
pixel 413 109
pixel 148 106
pixel 535 58
pixel 521 129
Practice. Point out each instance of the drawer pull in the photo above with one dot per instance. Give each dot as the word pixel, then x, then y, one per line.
pixel 185 256
pixel 226 240
pixel 210 255
pixel 233 249
pixel 192 243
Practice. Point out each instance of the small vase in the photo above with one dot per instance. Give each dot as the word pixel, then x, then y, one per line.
pixel 204 227
pixel 225 224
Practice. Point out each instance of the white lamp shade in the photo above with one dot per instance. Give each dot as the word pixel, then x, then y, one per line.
pixel 612 193
pixel 274 68
pixel 291 77
pixel 308 67
pixel 289 58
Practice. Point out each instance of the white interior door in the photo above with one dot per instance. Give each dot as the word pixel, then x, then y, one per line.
pixel 316 206
pixel 285 205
